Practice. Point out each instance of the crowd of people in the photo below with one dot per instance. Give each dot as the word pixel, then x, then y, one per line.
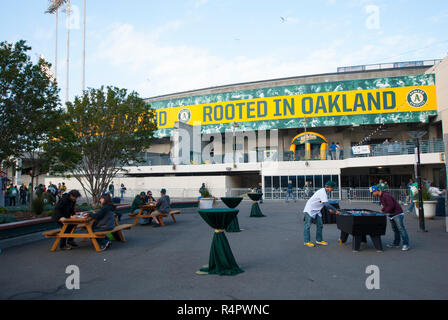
pixel 16 196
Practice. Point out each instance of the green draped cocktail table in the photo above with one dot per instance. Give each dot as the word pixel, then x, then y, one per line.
pixel 255 210
pixel 232 202
pixel 221 259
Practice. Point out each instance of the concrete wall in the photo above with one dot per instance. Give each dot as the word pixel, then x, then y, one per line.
pixel 177 187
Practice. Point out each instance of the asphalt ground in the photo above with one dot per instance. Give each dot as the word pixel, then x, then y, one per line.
pixel 160 263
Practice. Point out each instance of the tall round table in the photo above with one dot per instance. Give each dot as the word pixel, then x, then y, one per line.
pixel 255 210
pixel 232 202
pixel 221 259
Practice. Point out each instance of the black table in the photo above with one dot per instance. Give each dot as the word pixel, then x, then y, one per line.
pixel 221 259
pixel 359 223
pixel 327 217
pixel 232 202
pixel 255 211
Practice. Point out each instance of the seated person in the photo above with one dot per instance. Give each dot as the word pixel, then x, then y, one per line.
pixel 162 205
pixel 149 197
pixel 104 220
pixel 140 200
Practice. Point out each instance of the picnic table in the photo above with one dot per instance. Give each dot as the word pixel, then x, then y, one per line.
pixel 85 223
pixel 221 259
pixel 149 208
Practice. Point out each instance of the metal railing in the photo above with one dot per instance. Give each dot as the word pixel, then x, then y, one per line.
pixel 376 150
pixel 351 194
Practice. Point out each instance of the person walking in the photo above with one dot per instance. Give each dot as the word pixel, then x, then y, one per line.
pixel 290 193
pixel 64 209
pixel 312 212
pixel 391 207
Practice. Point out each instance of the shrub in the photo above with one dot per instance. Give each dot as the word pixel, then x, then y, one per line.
pixel 7 218
pixel 2 210
pixel 38 205
pixel 205 193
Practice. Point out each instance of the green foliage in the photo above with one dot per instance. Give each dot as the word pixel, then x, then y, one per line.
pixel 205 193
pixel 38 205
pixel 426 196
pixel 103 131
pixel 7 218
pixel 29 103
pixel 2 210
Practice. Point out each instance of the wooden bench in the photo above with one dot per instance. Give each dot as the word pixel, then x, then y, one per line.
pixel 164 215
pixel 160 217
pixel 60 233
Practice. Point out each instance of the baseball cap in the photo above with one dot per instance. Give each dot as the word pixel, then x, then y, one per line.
pixel 330 184
pixel 373 188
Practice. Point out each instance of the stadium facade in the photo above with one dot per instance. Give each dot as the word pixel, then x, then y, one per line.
pixel 282 129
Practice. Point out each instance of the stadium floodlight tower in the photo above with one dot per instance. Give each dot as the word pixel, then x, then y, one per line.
pixel 417 135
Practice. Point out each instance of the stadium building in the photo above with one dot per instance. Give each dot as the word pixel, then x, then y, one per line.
pixel 232 137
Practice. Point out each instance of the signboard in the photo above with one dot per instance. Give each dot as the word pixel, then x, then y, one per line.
pixel 361 150
pixel 368 101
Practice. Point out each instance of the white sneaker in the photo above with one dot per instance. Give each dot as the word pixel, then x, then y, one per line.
pixel 405 248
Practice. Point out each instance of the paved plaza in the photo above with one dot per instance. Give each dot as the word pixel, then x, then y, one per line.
pixel 160 263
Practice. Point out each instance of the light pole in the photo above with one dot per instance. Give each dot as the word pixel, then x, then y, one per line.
pixel 421 218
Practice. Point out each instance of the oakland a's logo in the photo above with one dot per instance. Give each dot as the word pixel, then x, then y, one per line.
pixel 184 115
pixel 417 98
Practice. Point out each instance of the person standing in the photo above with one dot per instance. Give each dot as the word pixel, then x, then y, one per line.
pixel 338 151
pixel 413 193
pixel 13 192
pixel 391 207
pixel 112 189
pixel 333 151
pixel 23 191
pixel 64 209
pixel 290 193
pixel 122 191
pixel 312 212
pixel 28 194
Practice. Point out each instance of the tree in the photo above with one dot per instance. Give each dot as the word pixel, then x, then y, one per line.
pixel 104 130
pixel 29 105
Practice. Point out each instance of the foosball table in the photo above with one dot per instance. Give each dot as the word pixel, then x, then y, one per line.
pixel 359 223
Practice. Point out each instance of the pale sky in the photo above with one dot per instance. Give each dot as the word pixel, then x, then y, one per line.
pixel 161 47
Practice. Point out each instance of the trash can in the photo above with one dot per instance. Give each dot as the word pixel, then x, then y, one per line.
pixel 440 207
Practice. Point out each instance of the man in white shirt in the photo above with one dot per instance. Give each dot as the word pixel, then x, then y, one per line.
pixel 312 212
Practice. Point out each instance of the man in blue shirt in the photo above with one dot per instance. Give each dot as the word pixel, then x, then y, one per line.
pixel 333 148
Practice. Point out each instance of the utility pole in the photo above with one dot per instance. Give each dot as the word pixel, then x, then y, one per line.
pixel 83 86
pixel 418 175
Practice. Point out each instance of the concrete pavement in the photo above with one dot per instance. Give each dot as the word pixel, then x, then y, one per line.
pixel 160 263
